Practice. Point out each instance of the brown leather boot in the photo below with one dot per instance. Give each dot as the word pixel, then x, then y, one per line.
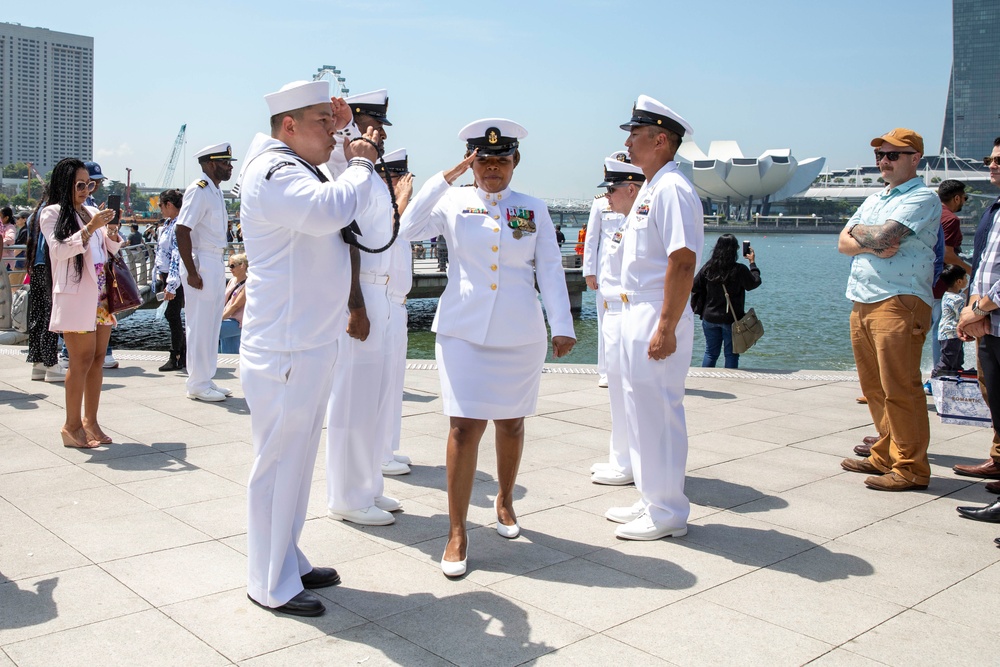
pixel 986 470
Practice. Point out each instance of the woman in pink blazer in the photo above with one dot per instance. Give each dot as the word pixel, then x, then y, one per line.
pixel 78 248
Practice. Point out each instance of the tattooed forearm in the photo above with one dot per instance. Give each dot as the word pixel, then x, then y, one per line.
pixel 880 237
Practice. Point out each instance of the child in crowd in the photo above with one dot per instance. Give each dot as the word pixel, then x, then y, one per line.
pixel 952 355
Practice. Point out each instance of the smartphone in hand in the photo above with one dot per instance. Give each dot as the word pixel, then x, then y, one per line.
pixel 746 248
pixel 115 204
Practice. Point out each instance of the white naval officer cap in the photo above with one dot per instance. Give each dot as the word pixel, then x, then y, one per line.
pixel 648 111
pixel 395 162
pixel 221 151
pixel 298 95
pixel 374 104
pixel 492 136
pixel 618 172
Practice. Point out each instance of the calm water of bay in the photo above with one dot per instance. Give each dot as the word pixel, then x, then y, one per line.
pixel 801 303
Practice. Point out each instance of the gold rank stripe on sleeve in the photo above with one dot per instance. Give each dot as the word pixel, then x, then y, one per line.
pixel 202 183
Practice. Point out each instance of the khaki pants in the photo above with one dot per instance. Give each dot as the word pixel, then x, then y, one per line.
pixel 887 338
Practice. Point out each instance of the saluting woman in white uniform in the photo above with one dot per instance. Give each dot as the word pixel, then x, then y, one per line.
pixel 491 338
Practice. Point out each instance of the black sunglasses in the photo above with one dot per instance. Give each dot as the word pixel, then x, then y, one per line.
pixel 991 159
pixel 892 155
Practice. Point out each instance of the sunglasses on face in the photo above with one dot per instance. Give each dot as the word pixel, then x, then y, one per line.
pixel 233 265
pixel 891 155
pixel 86 186
pixel 991 159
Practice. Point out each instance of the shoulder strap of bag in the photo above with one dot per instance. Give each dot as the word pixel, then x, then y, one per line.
pixel 729 304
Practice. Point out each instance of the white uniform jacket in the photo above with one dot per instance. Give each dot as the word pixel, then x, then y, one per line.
pixel 600 245
pixel 491 297
pixel 666 216
pixel 204 213
pixel 295 248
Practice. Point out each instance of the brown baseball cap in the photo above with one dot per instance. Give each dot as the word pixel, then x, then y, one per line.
pixel 901 137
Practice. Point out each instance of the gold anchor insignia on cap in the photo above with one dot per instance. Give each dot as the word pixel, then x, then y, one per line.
pixel 492 137
pixel 630 177
pixel 620 157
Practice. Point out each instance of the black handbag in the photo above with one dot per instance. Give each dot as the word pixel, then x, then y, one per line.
pixel 123 293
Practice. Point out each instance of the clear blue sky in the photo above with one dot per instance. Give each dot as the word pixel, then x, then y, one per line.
pixel 815 77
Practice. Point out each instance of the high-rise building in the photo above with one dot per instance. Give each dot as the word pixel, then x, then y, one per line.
pixel 46 96
pixel 972 113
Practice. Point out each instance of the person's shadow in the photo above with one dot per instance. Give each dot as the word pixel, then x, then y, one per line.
pixel 22 608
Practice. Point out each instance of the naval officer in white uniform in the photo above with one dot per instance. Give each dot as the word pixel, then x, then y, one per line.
pixel 361 404
pixel 622 181
pixel 201 242
pixel 661 245
pixel 491 338
pixel 297 289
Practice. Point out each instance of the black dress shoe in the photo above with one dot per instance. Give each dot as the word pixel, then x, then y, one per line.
pixel 997 541
pixel 320 577
pixel 989 513
pixel 303 604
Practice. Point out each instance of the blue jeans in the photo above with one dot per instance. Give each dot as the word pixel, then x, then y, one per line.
pixel 229 337
pixel 717 337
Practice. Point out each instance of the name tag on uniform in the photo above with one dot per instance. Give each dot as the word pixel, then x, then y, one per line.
pixel 521 220
pixel 476 211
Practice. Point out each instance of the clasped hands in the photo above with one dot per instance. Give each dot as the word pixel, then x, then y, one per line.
pixel 972 326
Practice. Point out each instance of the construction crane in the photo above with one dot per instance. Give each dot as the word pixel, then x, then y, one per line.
pixel 167 173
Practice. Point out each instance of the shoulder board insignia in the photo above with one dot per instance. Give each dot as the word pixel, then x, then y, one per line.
pixel 600 196
pixel 202 183
pixel 276 167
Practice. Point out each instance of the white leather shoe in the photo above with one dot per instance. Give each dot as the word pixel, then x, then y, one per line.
pixel 402 458
pixel 602 381
pixel 453 568
pixel 625 514
pixel 369 516
pixel 611 478
pixel 38 371
pixel 604 465
pixel 644 528
pixel 222 390
pixel 388 504
pixel 110 361
pixel 395 468
pixel 509 532
pixel 209 395
pixel 55 374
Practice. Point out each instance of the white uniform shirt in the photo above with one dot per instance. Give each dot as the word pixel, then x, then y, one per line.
pixel 666 216
pixel 490 298
pixel 300 268
pixel 599 256
pixel 204 213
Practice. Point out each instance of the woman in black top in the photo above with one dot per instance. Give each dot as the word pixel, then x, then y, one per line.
pixel 708 299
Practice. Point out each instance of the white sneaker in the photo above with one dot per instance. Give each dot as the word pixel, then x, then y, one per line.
pixel 222 390
pixel 110 361
pixel 644 528
pixel 395 468
pixel 55 374
pixel 611 477
pixel 388 504
pixel 369 516
pixel 604 465
pixel 402 458
pixel 602 381
pixel 63 362
pixel 625 514
pixel 38 371
pixel 209 395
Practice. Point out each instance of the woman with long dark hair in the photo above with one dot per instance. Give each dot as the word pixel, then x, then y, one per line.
pixel 78 247
pixel 722 273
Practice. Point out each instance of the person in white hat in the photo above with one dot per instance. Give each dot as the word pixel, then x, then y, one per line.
pixel 365 391
pixel 660 248
pixel 201 242
pixel 602 270
pixel 491 337
pixel 297 290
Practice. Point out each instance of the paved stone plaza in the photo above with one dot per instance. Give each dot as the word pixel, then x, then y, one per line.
pixel 133 554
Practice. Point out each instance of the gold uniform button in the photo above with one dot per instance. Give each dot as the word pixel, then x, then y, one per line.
pixel 496 229
pixel 499 197
pixel 493 267
pixel 495 248
pixel 496 217
pixel 493 286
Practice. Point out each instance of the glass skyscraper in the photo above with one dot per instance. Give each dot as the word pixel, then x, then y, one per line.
pixel 972 113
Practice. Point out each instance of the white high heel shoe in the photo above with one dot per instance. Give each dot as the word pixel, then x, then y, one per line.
pixel 453 568
pixel 509 532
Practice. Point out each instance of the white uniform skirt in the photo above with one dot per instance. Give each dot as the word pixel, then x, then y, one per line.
pixel 481 382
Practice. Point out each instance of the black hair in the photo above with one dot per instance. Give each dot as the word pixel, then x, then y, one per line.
pixel 6 213
pixel 996 142
pixel 950 189
pixel 723 259
pixel 61 187
pixel 172 196
pixel 951 274
pixel 34 231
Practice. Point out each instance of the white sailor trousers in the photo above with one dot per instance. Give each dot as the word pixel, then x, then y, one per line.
pixel 654 411
pixel 287 394
pixel 619 456
pixel 395 351
pixel 602 344
pixel 203 318
pixel 358 403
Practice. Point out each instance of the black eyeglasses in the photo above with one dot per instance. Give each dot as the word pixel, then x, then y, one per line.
pixel 892 155
pixel 991 159
pixel 612 188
